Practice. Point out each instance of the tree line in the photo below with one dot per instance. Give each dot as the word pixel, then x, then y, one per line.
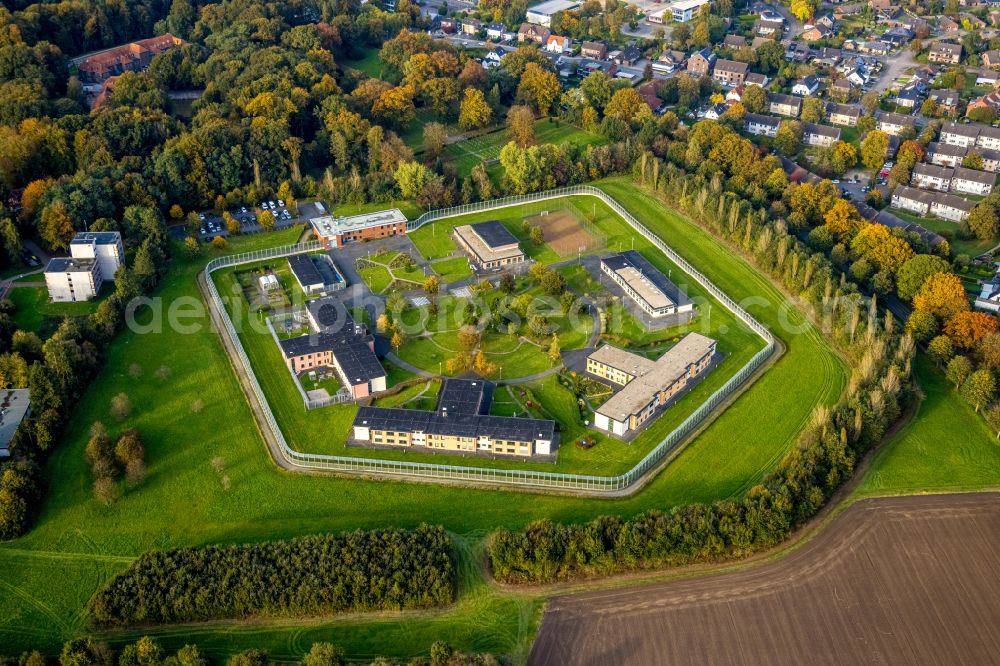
pixel 704 174
pixel 147 651
pixel 391 569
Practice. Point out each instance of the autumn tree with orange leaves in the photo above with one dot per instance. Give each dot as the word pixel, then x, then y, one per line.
pixel 967 329
pixel 942 295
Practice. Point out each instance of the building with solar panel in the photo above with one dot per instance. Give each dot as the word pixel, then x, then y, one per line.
pixel 646 285
pixel 336 342
pixel 460 423
pixel 490 245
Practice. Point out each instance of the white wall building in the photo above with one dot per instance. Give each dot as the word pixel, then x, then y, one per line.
pixel 542 13
pixel 685 10
pixel 94 258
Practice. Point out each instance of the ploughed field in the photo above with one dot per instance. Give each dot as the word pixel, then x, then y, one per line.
pixel 912 580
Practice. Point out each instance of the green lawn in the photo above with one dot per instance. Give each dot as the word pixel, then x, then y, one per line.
pixel 36 313
pixel 77 544
pixel 970 246
pixel 453 270
pixel 369 63
pixel 410 209
pixel 947 447
pixel 377 278
pixel 464 155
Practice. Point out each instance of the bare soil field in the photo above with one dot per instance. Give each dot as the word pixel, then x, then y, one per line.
pixel 565 233
pixel 909 580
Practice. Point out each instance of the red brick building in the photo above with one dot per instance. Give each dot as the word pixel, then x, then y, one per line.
pixel 133 57
pixel 338 231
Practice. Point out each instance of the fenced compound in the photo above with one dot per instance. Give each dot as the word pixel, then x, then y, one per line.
pixel 580 483
pixel 567 232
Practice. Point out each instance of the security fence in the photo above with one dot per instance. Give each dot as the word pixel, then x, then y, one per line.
pixel 582 483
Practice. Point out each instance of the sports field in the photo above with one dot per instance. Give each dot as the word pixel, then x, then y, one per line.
pixel 466 154
pixel 567 232
pixel 77 544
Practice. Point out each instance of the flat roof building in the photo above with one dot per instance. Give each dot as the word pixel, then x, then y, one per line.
pixel 685 10
pixel 489 244
pixel 460 423
pixel 645 284
pixel 94 257
pixel 647 385
pixel 15 406
pixel 306 274
pixel 338 231
pixel 543 12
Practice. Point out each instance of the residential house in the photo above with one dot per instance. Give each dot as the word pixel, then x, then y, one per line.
pixel 959 134
pixel 649 92
pixel 715 111
pixel 988 101
pixel 94 258
pixel 761 125
pixel 756 79
pixel 989 293
pixel 971 181
pixel 991 59
pixel 840 89
pixel 798 52
pixel 897 37
pixel 991 159
pixel 842 114
pixel 807 86
pixel 945 52
pixel 669 61
pixel 951 207
pixel 628 55
pixel 784 105
pixel 819 135
pixel 736 94
pixel 984 76
pixel 758 42
pixel 857 77
pixel 734 41
pixel 729 72
pixel 932 177
pixel 683 11
pixel 558 44
pixel 911 96
pixel 595 50
pixel 530 32
pixel 768 28
pixel 815 33
pixel 701 63
pixel 893 123
pixel 947 25
pixel 947 100
pixel 493 57
pixel 500 33
pixel 945 155
pixel 912 199
pixel 448 25
pixel 471 26
pixel 989 137
pixel 827 56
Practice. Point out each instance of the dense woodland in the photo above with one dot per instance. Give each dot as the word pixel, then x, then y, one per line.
pixel 315 575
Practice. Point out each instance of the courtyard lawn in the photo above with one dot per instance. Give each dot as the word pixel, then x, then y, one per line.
pixel 34 311
pixel 377 278
pixel 77 544
pixel 466 154
pixel 947 447
pixel 453 270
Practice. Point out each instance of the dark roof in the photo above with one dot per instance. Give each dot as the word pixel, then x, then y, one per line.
pixel 70 265
pixel 936 148
pixel 355 358
pixel 779 98
pixel 761 119
pixel 464 396
pixel 460 425
pixel 631 258
pixel 982 177
pixel 843 109
pixel 821 130
pixel 494 234
pixel 329 314
pixel 723 65
pixel 304 269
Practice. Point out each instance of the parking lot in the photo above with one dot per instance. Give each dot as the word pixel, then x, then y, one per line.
pixel 213 225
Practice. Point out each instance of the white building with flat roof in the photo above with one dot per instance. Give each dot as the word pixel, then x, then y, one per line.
pixel 94 257
pixel 685 10
pixel 543 12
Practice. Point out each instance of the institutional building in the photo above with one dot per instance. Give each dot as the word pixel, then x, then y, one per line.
pixel 490 244
pixel 338 231
pixel 94 258
pixel 337 342
pixel 15 406
pixel 134 57
pixel 460 423
pixel 686 10
pixel 306 274
pixel 647 385
pixel 646 285
pixel 542 13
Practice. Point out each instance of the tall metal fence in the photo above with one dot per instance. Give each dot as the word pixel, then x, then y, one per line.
pixel 584 483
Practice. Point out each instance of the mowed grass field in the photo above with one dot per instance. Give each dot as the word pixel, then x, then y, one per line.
pixel 947 447
pixel 36 313
pixel 77 544
pixel 466 154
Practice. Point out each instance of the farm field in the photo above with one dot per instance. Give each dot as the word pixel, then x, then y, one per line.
pixel 77 544
pixel 466 154
pixel 911 577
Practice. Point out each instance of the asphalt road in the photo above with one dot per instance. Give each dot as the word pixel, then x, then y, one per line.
pixel 907 580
